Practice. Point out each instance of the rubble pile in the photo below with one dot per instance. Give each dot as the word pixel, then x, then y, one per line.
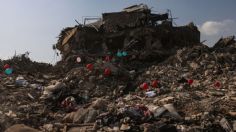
pixel 199 81
pixel 140 74
pixel 82 84
pixel 21 89
pixel 22 63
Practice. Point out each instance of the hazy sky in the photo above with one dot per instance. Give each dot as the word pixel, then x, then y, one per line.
pixel 33 25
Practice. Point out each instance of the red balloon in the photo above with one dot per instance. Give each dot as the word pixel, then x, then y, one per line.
pixel 6 66
pixel 108 58
pixel 190 81
pixel 144 86
pixel 217 84
pixel 155 83
pixel 89 67
pixel 107 72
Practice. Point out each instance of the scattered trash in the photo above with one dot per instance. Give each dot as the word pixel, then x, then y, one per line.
pixel 11 114
pixel 151 93
pixel 172 111
pixel 21 82
pixel 69 103
pixel 36 86
pixel 124 127
pixel 138 74
pixel 31 96
pixel 158 112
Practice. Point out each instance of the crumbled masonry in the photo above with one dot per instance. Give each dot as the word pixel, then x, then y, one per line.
pixel 141 74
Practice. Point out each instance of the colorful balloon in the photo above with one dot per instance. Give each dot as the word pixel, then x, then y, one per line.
pixel 89 67
pixel 217 84
pixel 8 71
pixel 119 54
pixel 124 53
pixel 78 59
pixel 6 66
pixel 190 81
pixel 108 58
pixel 144 86
pixel 155 83
pixel 107 72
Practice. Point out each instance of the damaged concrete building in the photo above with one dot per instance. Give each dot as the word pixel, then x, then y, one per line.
pixel 135 29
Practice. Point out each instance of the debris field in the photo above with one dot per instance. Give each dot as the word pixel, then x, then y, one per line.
pixel 129 71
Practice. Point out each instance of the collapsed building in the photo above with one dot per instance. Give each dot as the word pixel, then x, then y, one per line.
pixel 135 29
pixel 193 89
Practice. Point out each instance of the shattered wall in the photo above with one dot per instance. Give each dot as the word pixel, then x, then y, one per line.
pixel 161 38
pixel 138 33
pixel 120 20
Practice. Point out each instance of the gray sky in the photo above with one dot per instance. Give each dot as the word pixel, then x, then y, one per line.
pixel 33 25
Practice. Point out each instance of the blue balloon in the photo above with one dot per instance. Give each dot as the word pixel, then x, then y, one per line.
pixel 8 71
pixel 119 54
pixel 124 53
